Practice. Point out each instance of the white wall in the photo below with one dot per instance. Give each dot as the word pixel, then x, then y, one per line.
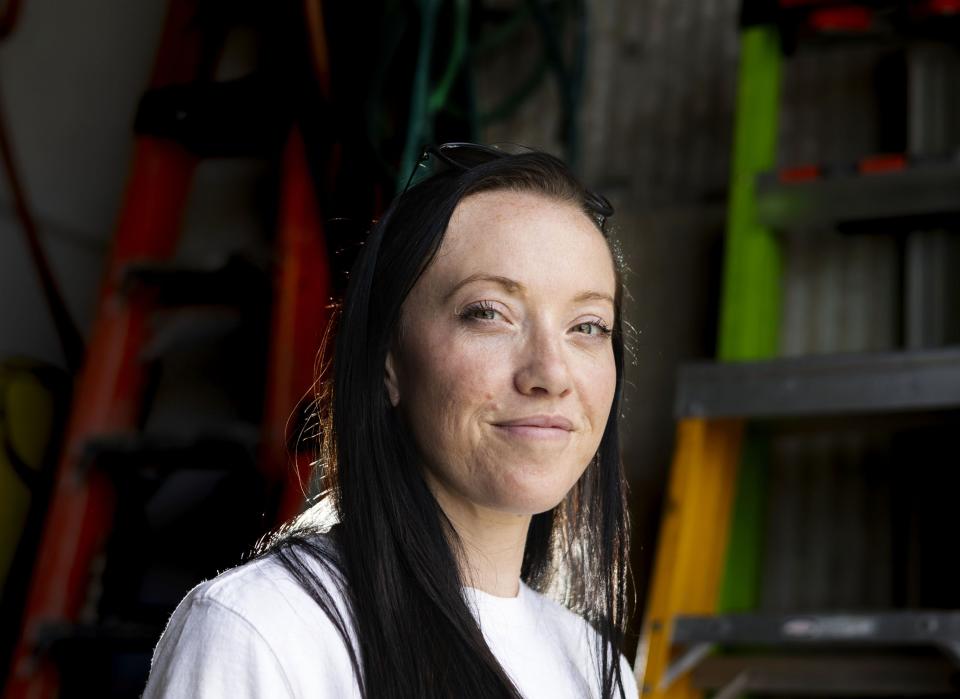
pixel 71 75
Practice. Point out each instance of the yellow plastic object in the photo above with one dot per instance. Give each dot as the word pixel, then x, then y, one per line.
pixel 27 417
pixel 692 546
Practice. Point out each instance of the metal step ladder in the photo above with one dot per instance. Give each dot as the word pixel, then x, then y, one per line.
pixel 138 516
pixel 706 582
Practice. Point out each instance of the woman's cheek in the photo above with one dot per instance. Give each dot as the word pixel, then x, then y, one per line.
pixel 475 369
pixel 455 370
pixel 598 382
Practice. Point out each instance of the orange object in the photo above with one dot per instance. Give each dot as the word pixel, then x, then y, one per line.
pixel 891 162
pixel 841 19
pixel 692 544
pixel 942 7
pixel 111 383
pixel 801 3
pixel 801 173
pixel 300 321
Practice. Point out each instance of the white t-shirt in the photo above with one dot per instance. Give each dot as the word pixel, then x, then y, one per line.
pixel 253 631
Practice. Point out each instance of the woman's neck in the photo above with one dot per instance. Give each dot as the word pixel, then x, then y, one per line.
pixel 491 543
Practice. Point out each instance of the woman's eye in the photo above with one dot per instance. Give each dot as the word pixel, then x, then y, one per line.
pixel 593 327
pixel 485 313
pixel 480 311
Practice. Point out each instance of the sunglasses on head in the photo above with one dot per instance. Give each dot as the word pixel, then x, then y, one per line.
pixel 466 156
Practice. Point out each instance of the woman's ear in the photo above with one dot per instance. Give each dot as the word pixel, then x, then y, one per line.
pixel 390 380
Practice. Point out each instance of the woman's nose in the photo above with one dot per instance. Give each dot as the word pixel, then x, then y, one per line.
pixel 543 367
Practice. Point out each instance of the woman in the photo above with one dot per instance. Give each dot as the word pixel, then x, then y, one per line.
pixel 471 459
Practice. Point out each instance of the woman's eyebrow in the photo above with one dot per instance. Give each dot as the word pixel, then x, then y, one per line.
pixel 510 285
pixel 593 296
pixel 514 287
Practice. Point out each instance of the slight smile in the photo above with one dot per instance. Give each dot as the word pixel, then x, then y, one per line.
pixel 549 427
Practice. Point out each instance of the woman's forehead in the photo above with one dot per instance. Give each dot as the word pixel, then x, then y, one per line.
pixel 524 235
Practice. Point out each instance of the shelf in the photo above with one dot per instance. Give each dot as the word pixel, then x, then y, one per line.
pixel 906 628
pixel 882 675
pixel 828 384
pixel 57 638
pixel 237 282
pixel 230 447
pixel 922 195
pixel 815 672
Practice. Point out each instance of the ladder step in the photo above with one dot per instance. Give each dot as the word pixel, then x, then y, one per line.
pixel 233 445
pixel 188 509
pixel 103 659
pixel 237 118
pixel 901 628
pixel 183 329
pixel 878 194
pixel 850 383
pixel 887 675
pixel 832 22
pixel 238 282
pixel 54 637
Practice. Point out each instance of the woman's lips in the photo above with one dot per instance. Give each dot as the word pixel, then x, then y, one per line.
pixel 551 427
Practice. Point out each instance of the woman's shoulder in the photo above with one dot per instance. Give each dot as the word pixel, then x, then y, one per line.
pixel 264 588
pixel 258 616
pixel 260 588
pixel 266 574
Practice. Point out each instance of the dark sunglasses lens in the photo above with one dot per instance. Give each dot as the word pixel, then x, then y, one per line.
pixel 425 167
pixel 435 159
pixel 600 204
pixel 468 155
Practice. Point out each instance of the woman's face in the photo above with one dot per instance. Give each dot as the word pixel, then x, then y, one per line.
pixel 503 368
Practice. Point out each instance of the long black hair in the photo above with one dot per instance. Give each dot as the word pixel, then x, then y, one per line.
pixel 393 555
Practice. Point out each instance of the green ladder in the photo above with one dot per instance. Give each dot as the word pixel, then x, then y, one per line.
pixel 706 580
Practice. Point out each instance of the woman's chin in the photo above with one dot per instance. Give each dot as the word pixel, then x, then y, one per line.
pixel 530 496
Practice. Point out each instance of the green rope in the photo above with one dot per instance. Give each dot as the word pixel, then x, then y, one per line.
pixel 457 52
pixel 425 103
pixel 419 126
pixel 566 82
pixel 495 38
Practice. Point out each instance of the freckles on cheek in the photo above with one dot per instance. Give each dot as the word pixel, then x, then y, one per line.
pixel 468 378
pixel 451 377
pixel 450 400
pixel 472 375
